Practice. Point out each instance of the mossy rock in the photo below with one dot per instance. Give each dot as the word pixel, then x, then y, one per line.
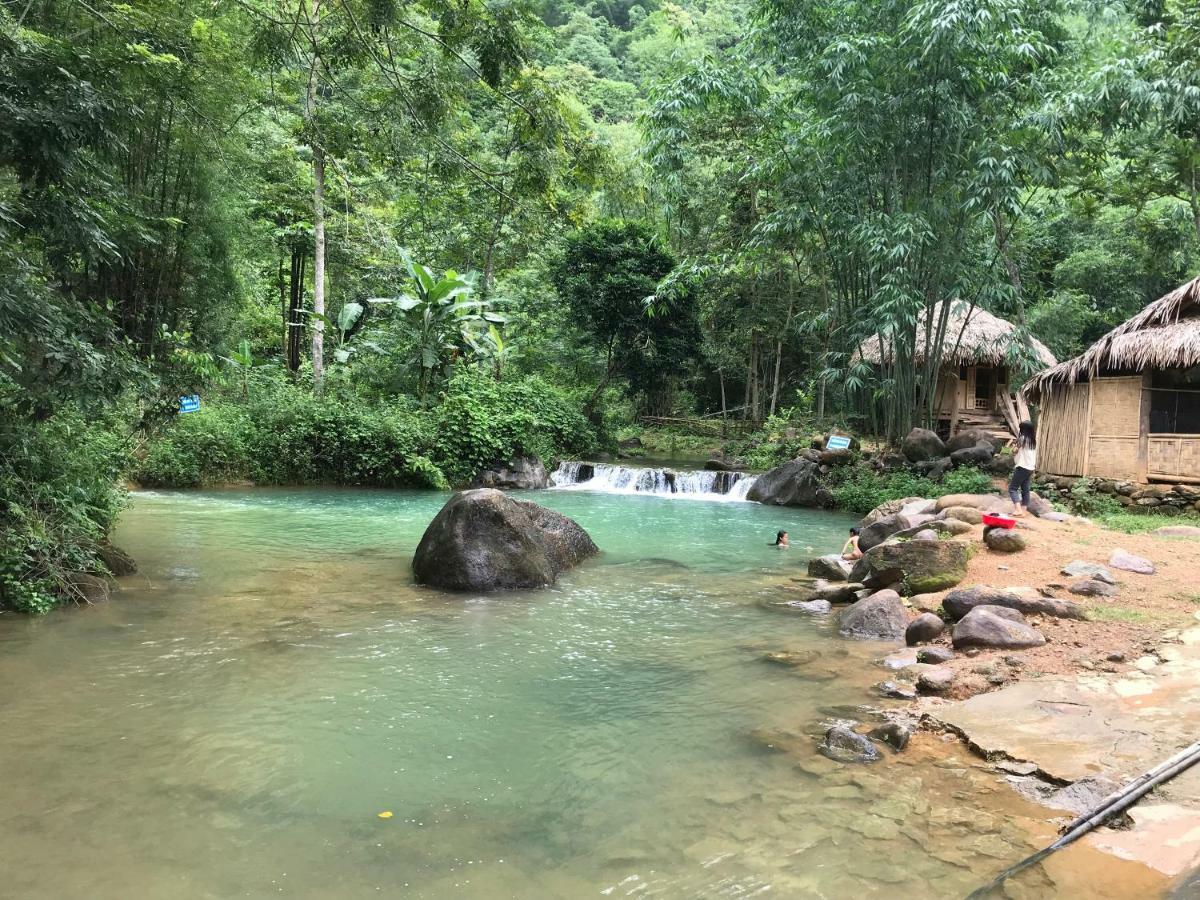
pixel 919 567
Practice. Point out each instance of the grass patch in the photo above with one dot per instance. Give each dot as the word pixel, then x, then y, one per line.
pixel 1119 614
pixel 1140 523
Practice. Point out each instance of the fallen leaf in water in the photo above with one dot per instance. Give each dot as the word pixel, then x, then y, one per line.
pixel 386 814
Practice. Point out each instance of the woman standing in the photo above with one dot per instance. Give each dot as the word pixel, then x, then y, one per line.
pixel 1025 462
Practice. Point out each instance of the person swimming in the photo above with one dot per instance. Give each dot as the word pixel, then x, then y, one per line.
pixel 851 551
pixel 781 539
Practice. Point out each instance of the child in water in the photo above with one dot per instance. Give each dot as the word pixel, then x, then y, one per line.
pixel 781 539
pixel 851 551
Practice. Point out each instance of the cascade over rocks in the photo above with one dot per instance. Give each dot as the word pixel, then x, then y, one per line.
pixel 923 567
pixel 521 473
pixel 483 540
pixel 880 617
pixel 958 603
pixel 795 483
pixel 922 444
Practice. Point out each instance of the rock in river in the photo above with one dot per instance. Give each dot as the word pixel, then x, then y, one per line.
pixel 831 567
pixel 922 566
pixel 795 483
pixel 843 745
pixel 521 473
pixel 484 540
pixel 991 627
pixel 880 617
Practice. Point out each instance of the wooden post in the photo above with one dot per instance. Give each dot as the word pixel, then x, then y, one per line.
pixel 1087 437
pixel 1143 457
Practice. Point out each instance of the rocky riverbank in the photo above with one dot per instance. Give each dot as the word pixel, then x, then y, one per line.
pixel 1064 654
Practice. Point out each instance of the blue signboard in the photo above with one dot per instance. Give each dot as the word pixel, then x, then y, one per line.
pixel 190 403
pixel 838 442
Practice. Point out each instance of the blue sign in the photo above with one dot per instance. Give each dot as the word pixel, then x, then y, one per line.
pixel 838 442
pixel 190 403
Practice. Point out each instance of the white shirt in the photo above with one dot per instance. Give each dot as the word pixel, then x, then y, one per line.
pixel 1026 458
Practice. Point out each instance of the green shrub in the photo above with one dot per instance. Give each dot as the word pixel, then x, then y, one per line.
pixel 966 480
pixel 60 492
pixel 287 436
pixel 1087 501
pixel 481 421
pixel 860 489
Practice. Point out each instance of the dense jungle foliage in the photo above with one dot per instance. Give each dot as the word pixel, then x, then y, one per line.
pixel 390 241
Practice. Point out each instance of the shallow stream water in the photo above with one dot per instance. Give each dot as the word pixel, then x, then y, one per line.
pixel 234 721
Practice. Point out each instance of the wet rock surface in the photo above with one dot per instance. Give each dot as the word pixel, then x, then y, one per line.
pixel 484 540
pixel 842 744
pixel 830 567
pixel 521 473
pixel 795 483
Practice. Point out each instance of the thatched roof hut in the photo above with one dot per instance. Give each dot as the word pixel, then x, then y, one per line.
pixel 973 381
pixel 974 337
pixel 1129 406
pixel 1164 335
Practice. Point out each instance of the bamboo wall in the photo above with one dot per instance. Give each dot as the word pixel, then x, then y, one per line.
pixel 1173 457
pixel 1062 434
pixel 1115 431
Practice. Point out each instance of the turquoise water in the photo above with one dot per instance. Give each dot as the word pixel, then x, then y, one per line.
pixel 233 722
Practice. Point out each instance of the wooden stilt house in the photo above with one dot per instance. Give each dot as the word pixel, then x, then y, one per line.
pixel 974 389
pixel 1128 408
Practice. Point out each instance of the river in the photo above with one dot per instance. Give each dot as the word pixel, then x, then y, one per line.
pixel 236 720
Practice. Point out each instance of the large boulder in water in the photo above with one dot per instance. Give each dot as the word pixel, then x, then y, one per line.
pixel 521 473
pixel 922 444
pixel 795 483
pixel 921 567
pixel 483 540
pixel 881 529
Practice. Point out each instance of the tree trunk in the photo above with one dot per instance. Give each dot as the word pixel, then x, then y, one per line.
pixel 318 326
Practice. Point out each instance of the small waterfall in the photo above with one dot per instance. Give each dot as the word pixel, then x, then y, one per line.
pixel 689 484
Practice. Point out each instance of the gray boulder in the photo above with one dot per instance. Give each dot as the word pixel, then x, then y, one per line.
pixel 896 690
pixel 922 444
pixel 968 515
pixel 795 483
pixel 970 437
pixel 1128 562
pixel 890 507
pixel 935 680
pixel 938 468
pixel 881 529
pixel 923 567
pixel 846 746
pixel 521 473
pixel 1091 587
pixel 880 617
pixel 1183 531
pixel 959 602
pixel 1001 464
pixel 1082 569
pixel 989 628
pixel 1004 540
pixel 923 629
pixel 830 567
pixel 935 655
pixel 979 501
pixel 835 591
pixel 979 455
pixel 484 540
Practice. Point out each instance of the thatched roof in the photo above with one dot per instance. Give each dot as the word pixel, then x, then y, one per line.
pixel 1164 335
pixel 986 339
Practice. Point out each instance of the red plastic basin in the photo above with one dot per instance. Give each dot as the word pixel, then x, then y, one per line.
pixel 998 521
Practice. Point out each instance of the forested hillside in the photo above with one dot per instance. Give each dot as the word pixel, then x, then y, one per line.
pixel 390 242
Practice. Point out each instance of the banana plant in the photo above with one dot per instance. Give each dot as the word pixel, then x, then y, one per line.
pixel 340 328
pixel 445 316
